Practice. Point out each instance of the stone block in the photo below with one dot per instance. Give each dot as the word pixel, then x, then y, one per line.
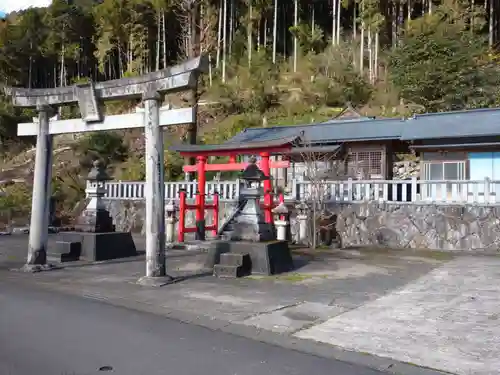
pixel 224 271
pixel 103 246
pixel 69 251
pixel 234 259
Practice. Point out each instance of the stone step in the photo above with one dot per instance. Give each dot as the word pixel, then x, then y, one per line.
pixel 229 271
pixel 235 259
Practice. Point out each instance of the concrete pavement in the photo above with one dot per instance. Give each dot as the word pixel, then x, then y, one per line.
pixel 51 334
pixel 389 310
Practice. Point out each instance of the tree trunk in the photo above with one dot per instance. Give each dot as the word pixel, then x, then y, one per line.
pixel 362 48
pixel 334 21
pixel 195 31
pixel 164 39
pixel 338 21
pixel 265 33
pixel 158 44
pixel 491 25
pixel 224 39
pixel 375 59
pixel 275 29
pixel 370 56
pixel 231 28
pixel 354 23
pixel 249 35
pixel 295 41
pixel 219 36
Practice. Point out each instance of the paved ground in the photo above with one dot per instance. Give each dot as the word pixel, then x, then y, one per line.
pixel 429 309
pixel 50 334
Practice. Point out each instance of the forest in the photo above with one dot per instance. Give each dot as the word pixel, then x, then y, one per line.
pixel 272 61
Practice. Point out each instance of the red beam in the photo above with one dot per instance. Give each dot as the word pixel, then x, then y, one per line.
pixel 239 151
pixel 234 166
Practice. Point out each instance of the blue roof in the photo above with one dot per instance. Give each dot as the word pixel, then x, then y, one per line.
pixel 329 131
pixel 457 124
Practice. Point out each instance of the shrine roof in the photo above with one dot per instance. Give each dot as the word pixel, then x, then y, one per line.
pixel 457 124
pixel 333 131
pixel 240 147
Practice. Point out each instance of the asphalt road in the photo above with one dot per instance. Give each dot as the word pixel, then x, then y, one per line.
pixel 47 333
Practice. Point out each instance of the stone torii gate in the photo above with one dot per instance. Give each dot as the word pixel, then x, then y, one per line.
pixel 151 88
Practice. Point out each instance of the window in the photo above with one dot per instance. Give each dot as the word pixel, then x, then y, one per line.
pixel 447 170
pixel 443 171
pixel 365 164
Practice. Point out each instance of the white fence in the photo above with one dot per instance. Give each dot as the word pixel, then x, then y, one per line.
pixel 485 191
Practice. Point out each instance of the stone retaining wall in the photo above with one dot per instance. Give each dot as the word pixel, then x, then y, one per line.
pixel 419 226
pixel 130 215
pixel 422 226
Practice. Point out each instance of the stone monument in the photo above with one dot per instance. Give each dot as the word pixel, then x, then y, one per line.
pixel 95 238
pixel 247 243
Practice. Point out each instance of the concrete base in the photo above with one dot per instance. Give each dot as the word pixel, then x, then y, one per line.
pixel 33 268
pixel 101 246
pixel 156 281
pixel 267 258
pixel 68 251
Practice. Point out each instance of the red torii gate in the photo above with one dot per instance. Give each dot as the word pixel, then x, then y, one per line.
pixel 264 149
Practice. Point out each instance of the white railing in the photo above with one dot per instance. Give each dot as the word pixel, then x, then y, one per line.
pixel 134 190
pixel 465 191
pixel 484 191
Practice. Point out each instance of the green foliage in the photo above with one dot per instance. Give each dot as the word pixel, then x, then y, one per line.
pixel 107 146
pixel 442 65
pixel 249 89
pixel 15 202
pixel 68 188
pixel 310 40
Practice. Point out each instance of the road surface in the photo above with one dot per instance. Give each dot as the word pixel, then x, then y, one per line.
pixel 47 333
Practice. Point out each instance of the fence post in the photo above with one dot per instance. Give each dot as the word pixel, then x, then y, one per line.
pixel 486 190
pixel 414 188
pixel 349 189
pixel 295 190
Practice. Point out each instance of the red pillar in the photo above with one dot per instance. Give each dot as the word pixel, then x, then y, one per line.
pixel 216 214
pixel 268 199
pixel 200 207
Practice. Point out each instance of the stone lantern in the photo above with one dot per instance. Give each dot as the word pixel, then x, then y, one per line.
pixel 249 223
pixel 96 218
pixel 170 220
pixel 302 218
pixel 281 221
pixel 95 237
pixel 248 244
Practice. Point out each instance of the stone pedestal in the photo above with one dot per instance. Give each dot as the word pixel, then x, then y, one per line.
pixel 266 258
pixel 95 246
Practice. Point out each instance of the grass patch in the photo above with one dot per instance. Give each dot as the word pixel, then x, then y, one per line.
pixel 293 277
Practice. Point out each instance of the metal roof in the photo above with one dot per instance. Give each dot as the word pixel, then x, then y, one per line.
pixel 457 124
pixel 327 132
pixel 259 144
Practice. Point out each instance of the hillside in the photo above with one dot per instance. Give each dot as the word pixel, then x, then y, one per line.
pixel 387 60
